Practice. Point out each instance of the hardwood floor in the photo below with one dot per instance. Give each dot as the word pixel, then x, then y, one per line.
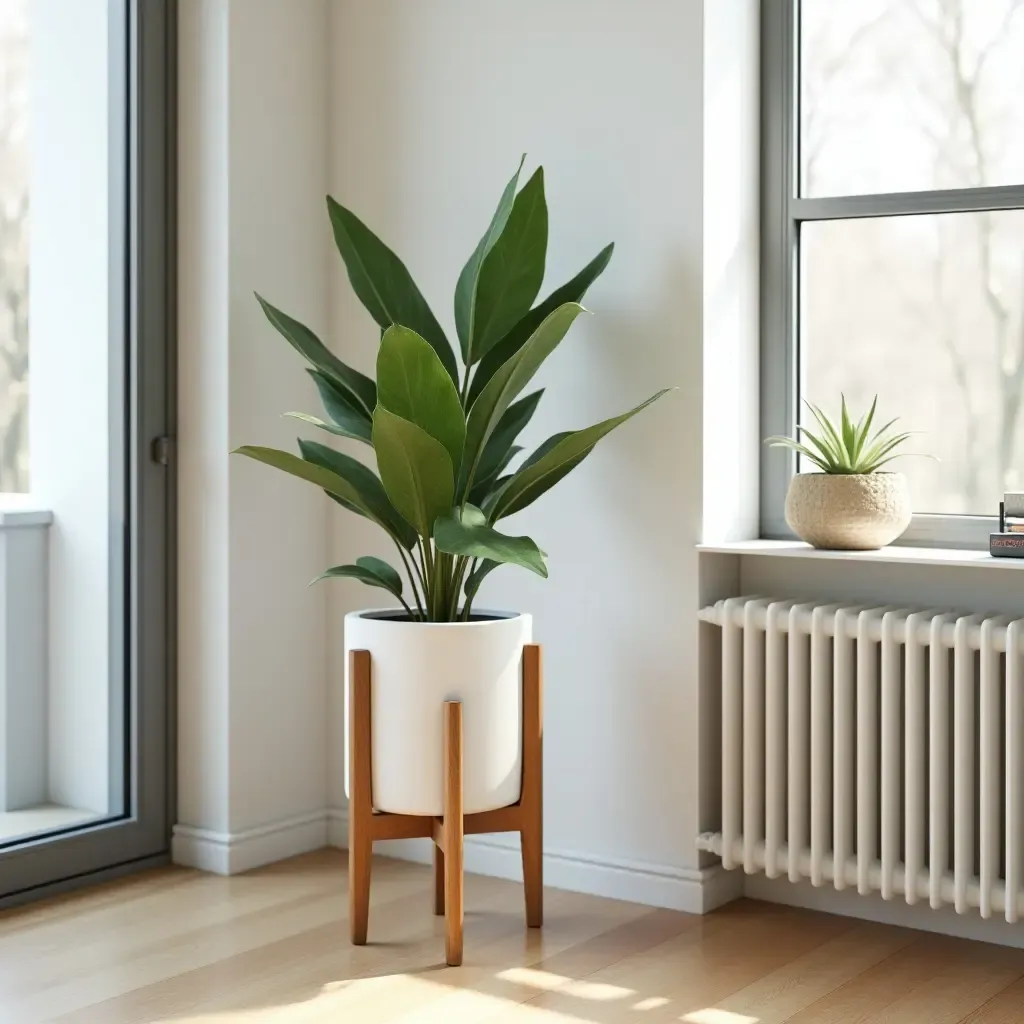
pixel 272 947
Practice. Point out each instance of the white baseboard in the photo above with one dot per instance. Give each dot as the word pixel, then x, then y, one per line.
pixel 230 853
pixel 849 903
pixel 691 890
pixel 337 827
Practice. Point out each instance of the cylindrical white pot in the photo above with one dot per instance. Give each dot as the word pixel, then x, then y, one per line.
pixel 414 668
pixel 848 512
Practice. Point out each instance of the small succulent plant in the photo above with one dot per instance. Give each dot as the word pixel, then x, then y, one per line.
pixel 850 448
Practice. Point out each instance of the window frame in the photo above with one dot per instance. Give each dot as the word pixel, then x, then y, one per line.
pixel 783 211
pixel 143 404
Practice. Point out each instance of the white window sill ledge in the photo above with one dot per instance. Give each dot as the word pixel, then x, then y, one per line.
pixel 891 555
pixel 19 510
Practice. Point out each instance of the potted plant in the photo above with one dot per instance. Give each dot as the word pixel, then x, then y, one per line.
pixel 850 504
pixel 444 441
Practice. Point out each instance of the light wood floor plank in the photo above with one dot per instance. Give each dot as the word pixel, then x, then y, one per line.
pixel 724 953
pixel 786 991
pixel 1005 1008
pixel 905 982
pixel 981 973
pixel 271 947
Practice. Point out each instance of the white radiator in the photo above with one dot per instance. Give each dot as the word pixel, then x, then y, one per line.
pixel 876 748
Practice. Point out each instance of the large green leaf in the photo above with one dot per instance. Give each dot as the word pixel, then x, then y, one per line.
pixel 374 572
pixel 412 383
pixel 555 458
pixel 315 421
pixel 345 419
pixel 347 493
pixel 341 411
pixel 505 386
pixel 366 482
pixel 361 389
pixel 467 533
pixel 383 285
pixel 571 291
pixel 487 485
pixel 415 469
pixel 512 272
pixel 496 453
pixel 466 287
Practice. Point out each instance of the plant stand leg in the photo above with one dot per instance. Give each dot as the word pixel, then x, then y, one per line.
pixel 438 881
pixel 453 832
pixel 360 806
pixel 532 800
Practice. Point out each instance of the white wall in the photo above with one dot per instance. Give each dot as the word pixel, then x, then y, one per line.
pixel 415 115
pixel 431 106
pixel 252 645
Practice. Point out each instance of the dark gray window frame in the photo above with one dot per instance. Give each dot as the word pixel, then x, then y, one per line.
pixel 783 210
pixel 143 233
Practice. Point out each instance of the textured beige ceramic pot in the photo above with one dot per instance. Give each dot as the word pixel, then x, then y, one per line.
pixel 848 513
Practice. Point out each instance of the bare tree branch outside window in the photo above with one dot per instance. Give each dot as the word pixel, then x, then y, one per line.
pixel 900 96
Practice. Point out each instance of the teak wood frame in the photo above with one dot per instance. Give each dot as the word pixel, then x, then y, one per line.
pixel 365 825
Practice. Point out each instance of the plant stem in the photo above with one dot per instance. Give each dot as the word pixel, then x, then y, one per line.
pixel 468 606
pixel 464 393
pixel 412 582
pixel 459 575
pixel 426 557
pixel 437 590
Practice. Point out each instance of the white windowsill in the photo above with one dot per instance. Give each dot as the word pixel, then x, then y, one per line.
pixel 22 510
pixel 895 554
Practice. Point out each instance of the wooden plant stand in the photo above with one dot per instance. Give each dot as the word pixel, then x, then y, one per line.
pixel 365 825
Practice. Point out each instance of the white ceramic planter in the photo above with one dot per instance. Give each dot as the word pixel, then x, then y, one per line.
pixel 848 512
pixel 415 668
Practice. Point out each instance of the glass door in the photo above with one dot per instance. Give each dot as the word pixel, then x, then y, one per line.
pixel 85 427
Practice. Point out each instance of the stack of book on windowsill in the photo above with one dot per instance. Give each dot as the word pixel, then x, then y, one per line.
pixel 1009 541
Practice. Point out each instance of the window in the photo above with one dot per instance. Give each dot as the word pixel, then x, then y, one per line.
pixel 86 303
pixel 893 239
pixel 14 182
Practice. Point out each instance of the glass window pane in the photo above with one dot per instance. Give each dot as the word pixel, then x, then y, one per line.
pixel 905 95
pixel 62 670
pixel 14 182
pixel 929 313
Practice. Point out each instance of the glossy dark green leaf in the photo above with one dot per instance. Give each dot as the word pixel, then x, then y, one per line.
pixel 415 469
pixel 412 383
pixel 486 486
pixel 315 421
pixel 468 534
pixel 571 291
pixel 361 389
pixel 351 420
pixel 557 457
pixel 383 285
pixel 512 272
pixel 496 453
pixel 476 577
pixel 366 483
pixel 342 490
pixel 506 385
pixel 374 572
pixel 466 287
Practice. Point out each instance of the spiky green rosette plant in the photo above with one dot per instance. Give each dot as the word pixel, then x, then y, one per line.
pixel 849 449
pixel 444 443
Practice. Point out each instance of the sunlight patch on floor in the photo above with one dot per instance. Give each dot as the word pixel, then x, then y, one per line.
pixel 651 1003
pixel 344 999
pixel 545 981
pixel 711 1016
